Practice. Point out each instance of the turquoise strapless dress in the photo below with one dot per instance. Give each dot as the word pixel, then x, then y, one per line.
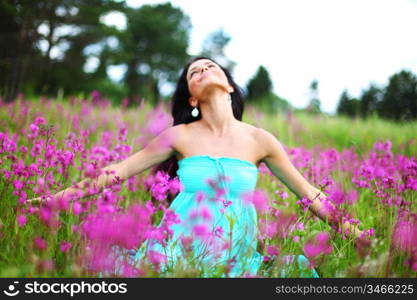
pixel 224 230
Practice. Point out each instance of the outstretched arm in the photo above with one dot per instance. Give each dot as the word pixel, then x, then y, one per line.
pixel 277 160
pixel 158 150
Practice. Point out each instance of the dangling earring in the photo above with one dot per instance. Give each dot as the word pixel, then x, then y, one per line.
pixel 194 112
pixel 230 99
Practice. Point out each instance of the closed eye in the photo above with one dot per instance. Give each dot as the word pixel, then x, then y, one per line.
pixel 193 72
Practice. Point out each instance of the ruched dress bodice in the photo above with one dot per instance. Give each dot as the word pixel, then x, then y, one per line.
pixel 243 174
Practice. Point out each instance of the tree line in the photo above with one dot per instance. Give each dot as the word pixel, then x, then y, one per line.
pixel 47 46
pixel 397 101
pixel 63 47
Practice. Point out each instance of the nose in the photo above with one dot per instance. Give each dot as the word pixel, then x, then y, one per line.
pixel 204 68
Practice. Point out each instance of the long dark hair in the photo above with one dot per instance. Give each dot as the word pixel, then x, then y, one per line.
pixel 181 110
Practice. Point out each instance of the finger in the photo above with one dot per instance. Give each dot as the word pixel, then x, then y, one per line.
pixel 35 201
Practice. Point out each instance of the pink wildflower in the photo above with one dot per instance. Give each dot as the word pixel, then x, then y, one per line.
pixel 65 246
pixel 40 243
pixel 258 198
pixel 21 220
pixel 319 245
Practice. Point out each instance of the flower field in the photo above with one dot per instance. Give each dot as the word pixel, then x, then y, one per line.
pixel 368 169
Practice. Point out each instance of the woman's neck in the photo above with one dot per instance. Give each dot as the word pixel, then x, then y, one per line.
pixel 217 114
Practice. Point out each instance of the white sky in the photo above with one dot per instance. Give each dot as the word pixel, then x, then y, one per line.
pixel 342 44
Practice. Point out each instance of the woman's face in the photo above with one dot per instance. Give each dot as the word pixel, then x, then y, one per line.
pixel 203 74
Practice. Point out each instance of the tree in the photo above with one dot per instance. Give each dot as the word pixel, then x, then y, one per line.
pixel 348 106
pixel 259 92
pixel 260 84
pixel 91 33
pixel 314 104
pixel 23 56
pixel 154 47
pixel 19 21
pixel 369 100
pixel 213 47
pixel 399 101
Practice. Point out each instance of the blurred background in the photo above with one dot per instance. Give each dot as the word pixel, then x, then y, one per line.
pixel 352 58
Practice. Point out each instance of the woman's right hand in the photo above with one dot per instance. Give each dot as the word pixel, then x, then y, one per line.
pixel 36 201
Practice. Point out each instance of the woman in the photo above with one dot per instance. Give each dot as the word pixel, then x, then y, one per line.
pixel 207 142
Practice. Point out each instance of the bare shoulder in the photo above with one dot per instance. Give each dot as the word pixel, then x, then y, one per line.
pixel 177 137
pixel 169 137
pixel 178 129
pixel 263 135
pixel 170 132
pixel 266 141
pixel 251 129
pixel 175 133
pixel 261 138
